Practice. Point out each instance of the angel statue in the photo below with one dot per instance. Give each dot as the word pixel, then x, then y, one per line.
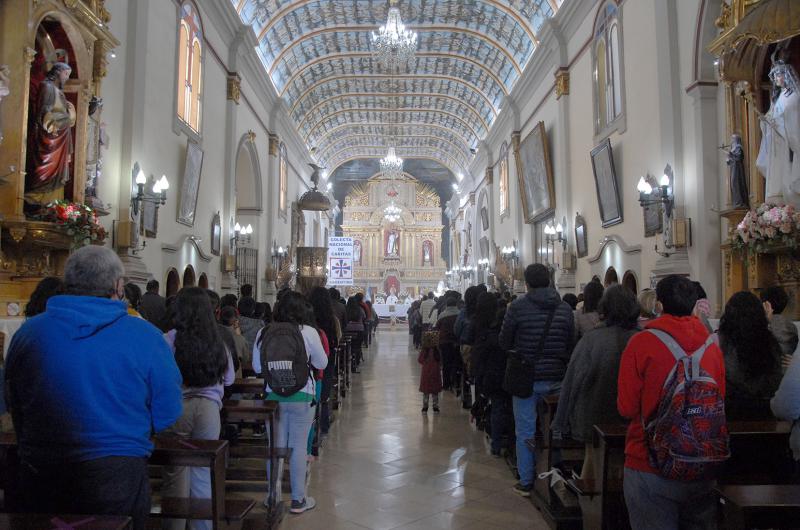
pixel 778 158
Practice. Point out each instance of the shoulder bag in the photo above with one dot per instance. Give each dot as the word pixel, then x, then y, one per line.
pixel 520 371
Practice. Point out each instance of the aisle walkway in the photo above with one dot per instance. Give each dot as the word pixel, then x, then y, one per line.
pixel 385 465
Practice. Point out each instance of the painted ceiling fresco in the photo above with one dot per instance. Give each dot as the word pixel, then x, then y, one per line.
pixel 470 53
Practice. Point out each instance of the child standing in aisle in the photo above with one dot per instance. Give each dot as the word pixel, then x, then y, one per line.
pixel 430 380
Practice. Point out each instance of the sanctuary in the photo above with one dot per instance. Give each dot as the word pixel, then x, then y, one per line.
pixel 396 226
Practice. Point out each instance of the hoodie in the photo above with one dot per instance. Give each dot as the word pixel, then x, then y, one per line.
pixel 87 381
pixel 524 325
pixel 645 365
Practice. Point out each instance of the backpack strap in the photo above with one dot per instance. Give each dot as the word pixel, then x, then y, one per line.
pixel 692 364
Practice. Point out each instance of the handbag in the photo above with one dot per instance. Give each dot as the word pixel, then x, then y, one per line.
pixel 520 368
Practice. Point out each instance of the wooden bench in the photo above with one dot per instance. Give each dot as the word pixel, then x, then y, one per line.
pixel 37 521
pixel 174 451
pixel 760 506
pixel 250 385
pixel 601 498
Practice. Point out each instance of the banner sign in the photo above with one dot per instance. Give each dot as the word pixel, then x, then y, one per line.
pixel 340 261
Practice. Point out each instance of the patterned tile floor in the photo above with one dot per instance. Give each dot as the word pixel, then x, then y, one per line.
pixel 385 465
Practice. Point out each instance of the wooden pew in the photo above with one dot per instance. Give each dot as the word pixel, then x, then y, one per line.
pixel 760 506
pixel 549 452
pixel 249 385
pixel 35 521
pixel 224 513
pixel 601 498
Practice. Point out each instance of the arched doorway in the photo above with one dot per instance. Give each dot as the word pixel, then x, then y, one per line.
pixel 610 277
pixel 189 279
pixel 173 283
pixel 629 282
pixel 203 281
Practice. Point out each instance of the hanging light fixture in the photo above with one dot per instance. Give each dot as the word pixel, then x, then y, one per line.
pixel 392 212
pixel 393 44
pixel 392 165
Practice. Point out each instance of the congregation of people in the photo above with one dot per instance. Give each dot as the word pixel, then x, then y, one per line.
pixel 609 357
pixel 98 369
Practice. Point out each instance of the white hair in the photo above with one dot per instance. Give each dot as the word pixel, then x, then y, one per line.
pixel 93 271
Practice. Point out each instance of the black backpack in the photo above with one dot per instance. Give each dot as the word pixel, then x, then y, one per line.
pixel 284 361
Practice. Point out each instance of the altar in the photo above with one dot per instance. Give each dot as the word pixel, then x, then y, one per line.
pixel 387 311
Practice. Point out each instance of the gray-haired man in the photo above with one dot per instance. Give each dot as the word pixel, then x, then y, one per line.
pixel 87 385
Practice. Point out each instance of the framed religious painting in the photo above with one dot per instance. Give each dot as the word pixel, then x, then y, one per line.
pixel 581 238
pixel 605 180
pixel 190 184
pixel 216 235
pixel 535 175
pixel 484 218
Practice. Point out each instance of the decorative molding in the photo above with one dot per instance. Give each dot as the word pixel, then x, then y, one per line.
pixel 251 136
pixel 172 249
pixel 562 82
pixel 234 90
pixel 489 175
pixel 614 238
pixel 274 144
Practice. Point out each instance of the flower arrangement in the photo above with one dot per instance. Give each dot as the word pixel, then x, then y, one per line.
pixel 79 221
pixel 767 226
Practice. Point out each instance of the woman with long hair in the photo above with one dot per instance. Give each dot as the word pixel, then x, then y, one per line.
pixel 356 326
pixel 296 411
pixel 45 289
pixel 752 358
pixel 205 365
pixel 328 325
pixel 589 390
pixel 588 318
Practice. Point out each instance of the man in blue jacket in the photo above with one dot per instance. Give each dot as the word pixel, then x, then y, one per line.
pixel 87 386
pixel 539 317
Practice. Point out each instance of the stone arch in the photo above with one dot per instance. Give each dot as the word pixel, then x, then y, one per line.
pixel 189 277
pixel 173 282
pixel 630 282
pixel 705 32
pixel 611 277
pixel 247 179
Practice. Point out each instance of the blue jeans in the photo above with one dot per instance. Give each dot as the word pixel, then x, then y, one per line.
pixel 294 424
pixel 525 423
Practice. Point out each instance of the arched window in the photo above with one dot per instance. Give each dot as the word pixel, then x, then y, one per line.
pixel 504 198
pixel 283 179
pixel 607 61
pixel 190 67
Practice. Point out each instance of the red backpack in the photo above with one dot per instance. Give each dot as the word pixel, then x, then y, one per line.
pixel 687 439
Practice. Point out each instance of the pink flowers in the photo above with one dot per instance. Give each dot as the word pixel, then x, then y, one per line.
pixel 768 224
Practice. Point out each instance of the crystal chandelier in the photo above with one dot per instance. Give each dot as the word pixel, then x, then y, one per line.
pixel 392 212
pixel 392 165
pixel 394 45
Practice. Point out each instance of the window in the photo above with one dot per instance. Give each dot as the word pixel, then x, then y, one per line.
pixel 504 179
pixel 607 68
pixel 190 67
pixel 283 179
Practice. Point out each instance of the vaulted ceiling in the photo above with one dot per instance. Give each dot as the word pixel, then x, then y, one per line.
pixel 470 53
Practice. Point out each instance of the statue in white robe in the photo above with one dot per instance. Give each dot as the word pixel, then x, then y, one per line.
pixel 779 154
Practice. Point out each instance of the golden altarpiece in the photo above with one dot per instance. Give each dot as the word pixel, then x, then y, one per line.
pixel 395 260
pixel 38 40
pixel 754 36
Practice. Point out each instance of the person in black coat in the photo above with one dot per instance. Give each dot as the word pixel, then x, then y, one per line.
pixel 539 317
pixel 489 361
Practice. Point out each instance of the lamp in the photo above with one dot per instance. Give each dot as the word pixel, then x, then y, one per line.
pixel 393 44
pixel 278 255
pixel 661 194
pixel 242 234
pixel 160 188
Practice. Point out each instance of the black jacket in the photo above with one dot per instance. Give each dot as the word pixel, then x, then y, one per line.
pixel 489 362
pixel 523 327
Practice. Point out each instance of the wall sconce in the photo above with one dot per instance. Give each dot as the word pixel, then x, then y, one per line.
pixel 160 188
pixel 278 255
pixel 242 234
pixel 649 196
pixel 556 233
pixel 510 254
pixel 483 264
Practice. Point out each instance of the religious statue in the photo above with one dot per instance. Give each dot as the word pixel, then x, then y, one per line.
pixel 393 243
pixel 392 298
pixel 780 128
pixel 426 252
pixel 5 81
pixel 357 252
pixel 737 179
pixel 51 149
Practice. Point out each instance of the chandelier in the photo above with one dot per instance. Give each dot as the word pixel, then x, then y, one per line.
pixel 392 165
pixel 392 212
pixel 394 45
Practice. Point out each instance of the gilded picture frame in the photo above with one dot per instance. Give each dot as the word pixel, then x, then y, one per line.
pixel 605 180
pixel 535 175
pixel 190 184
